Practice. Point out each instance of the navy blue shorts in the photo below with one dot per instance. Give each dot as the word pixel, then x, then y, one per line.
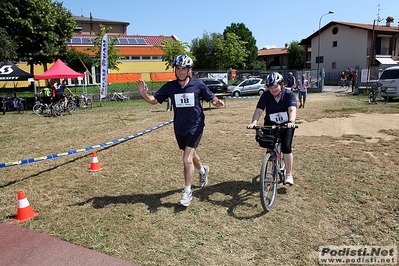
pixel 191 140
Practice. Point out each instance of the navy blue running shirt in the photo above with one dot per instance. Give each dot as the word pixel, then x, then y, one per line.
pixel 268 103
pixel 188 113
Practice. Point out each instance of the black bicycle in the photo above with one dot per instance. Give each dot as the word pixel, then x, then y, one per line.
pixel 377 95
pixel 272 165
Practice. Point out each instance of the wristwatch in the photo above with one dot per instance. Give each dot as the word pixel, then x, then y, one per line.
pixel 291 121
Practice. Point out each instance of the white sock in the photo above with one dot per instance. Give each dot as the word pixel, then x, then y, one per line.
pixel 187 189
pixel 202 170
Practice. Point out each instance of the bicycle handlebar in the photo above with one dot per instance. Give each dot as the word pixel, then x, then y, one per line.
pixel 271 127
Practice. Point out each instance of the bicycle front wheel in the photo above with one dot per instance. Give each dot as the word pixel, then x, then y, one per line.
pixel 38 109
pixel 268 182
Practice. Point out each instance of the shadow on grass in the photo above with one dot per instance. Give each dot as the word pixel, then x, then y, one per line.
pixel 43 171
pixel 239 193
pixel 60 165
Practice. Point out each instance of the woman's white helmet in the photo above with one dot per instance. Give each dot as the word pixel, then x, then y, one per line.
pixel 273 79
pixel 183 60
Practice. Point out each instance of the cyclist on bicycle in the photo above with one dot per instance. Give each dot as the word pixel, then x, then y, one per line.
pixel 280 105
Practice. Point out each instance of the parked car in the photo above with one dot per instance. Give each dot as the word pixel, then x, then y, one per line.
pixel 247 87
pixel 389 81
pixel 215 85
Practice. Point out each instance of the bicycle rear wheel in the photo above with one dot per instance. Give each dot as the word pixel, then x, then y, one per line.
pixel 268 182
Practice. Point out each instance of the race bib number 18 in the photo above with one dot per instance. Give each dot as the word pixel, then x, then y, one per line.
pixel 184 100
pixel 279 118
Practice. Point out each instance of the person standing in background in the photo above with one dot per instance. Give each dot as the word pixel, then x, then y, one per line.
pixel 291 82
pixel 303 85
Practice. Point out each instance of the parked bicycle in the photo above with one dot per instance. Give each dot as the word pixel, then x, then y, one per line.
pixel 118 96
pixel 83 101
pixel 15 103
pixel 376 95
pixel 48 109
pixel 272 164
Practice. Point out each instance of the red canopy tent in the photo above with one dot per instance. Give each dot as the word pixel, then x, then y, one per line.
pixel 59 70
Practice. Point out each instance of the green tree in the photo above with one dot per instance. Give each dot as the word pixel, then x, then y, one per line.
pixel 204 49
pixel 112 50
pixel 296 55
pixel 38 28
pixel 79 61
pixel 7 51
pixel 230 52
pixel 245 35
pixel 173 48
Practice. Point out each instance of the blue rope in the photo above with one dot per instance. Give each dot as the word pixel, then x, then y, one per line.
pixel 73 152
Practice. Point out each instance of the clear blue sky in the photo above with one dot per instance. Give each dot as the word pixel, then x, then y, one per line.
pixel 271 22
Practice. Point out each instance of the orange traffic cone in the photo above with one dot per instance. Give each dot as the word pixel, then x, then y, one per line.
pixel 95 165
pixel 24 211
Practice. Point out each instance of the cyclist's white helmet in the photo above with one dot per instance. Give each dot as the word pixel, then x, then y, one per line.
pixel 183 60
pixel 273 79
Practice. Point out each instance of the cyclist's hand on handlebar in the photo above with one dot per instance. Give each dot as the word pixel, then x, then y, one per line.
pixel 291 125
pixel 252 125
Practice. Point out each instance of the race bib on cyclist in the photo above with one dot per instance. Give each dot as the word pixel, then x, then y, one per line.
pixel 184 100
pixel 279 118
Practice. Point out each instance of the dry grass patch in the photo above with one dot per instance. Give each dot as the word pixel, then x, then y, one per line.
pixel 345 192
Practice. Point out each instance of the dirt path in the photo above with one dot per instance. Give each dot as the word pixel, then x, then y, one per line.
pixel 367 125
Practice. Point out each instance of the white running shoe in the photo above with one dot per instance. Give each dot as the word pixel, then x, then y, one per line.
pixel 186 198
pixel 289 179
pixel 203 178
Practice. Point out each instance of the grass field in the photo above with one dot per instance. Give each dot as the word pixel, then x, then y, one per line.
pixel 345 193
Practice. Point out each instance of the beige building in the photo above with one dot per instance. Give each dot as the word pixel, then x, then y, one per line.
pixel 346 45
